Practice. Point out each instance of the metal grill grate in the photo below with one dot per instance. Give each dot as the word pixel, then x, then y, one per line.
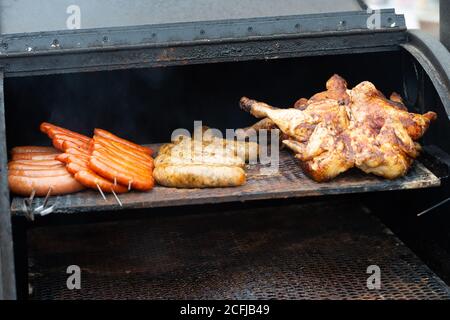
pixel 288 182
pixel 310 251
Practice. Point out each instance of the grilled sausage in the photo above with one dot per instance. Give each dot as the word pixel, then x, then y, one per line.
pixel 60 139
pixel 91 180
pixel 122 148
pixel 34 149
pixel 138 167
pixel 52 130
pixel 146 160
pixel 199 176
pixel 36 163
pixel 111 172
pixel 33 156
pixel 24 186
pixel 39 172
pixel 110 136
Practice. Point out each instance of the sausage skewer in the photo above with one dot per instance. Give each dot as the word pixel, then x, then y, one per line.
pixel 44 204
pixel 101 192
pixel 117 198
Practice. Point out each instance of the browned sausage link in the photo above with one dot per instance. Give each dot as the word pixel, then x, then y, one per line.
pixel 24 186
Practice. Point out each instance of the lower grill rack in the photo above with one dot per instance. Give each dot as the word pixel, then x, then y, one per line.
pixel 302 251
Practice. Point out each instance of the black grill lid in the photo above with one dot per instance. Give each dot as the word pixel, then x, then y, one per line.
pixel 314 32
pixel 18 16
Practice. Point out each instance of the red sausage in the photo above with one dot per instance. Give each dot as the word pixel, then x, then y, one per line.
pixel 34 149
pixel 33 156
pixel 110 136
pixel 24 186
pixel 124 178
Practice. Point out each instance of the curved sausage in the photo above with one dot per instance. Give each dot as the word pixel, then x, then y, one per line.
pixel 24 186
pixel 110 136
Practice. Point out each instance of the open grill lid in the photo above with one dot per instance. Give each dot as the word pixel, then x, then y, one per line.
pixel 53 15
pixel 114 44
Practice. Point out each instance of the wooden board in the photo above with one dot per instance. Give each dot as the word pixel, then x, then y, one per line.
pixel 288 182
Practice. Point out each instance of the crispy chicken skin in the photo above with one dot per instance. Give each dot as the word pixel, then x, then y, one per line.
pixel 339 129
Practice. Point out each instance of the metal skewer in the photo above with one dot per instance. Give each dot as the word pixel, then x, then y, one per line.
pixel 101 192
pixel 433 207
pixel 27 203
pixel 29 200
pixel 117 198
pixel 129 184
pixel 44 204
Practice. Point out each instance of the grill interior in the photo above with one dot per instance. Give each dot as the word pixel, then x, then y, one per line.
pixel 316 250
pixel 313 250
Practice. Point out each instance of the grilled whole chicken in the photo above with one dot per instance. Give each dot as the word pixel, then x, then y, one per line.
pixel 339 129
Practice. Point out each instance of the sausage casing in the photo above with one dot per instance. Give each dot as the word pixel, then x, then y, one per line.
pixel 199 176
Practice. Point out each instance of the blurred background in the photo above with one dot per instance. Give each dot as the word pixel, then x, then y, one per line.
pixel 419 14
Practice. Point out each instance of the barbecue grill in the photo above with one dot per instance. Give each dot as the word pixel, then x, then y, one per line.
pixel 280 235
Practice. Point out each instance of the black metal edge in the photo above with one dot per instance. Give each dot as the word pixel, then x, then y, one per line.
pixel 251 49
pixel 444 22
pixel 435 60
pixel 437 161
pixel 7 277
pixel 30 44
pixel 130 42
